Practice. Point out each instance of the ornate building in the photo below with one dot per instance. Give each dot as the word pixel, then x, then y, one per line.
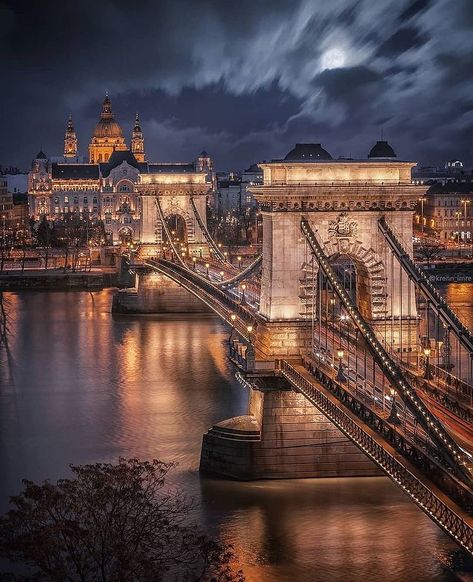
pixel 118 186
pixel 70 140
pixel 107 136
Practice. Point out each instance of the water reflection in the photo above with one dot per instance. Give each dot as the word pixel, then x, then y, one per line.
pixel 90 387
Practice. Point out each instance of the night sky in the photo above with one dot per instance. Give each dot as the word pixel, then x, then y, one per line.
pixel 245 79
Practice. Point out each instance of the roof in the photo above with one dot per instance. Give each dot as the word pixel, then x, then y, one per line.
pixel 203 154
pixel 76 171
pixel 41 155
pixel 117 158
pixel 170 168
pixel 451 187
pixel 254 168
pixel 308 152
pixel 382 149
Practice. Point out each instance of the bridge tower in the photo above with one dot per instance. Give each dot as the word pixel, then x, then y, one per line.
pixel 176 193
pixel 343 200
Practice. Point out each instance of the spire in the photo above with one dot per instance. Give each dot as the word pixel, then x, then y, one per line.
pixel 137 141
pixel 70 140
pixel 107 108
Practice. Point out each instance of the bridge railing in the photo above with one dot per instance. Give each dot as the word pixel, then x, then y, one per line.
pixel 447 446
pixel 250 270
pixel 452 520
pixel 202 285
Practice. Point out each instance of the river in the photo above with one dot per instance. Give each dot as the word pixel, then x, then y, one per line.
pixel 81 386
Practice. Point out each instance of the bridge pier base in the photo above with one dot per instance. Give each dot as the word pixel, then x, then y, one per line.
pixel 156 293
pixel 286 339
pixel 282 437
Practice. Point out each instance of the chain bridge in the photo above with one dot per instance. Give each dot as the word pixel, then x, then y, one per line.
pixel 355 363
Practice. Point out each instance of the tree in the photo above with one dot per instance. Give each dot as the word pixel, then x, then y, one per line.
pixel 111 522
pixel 429 252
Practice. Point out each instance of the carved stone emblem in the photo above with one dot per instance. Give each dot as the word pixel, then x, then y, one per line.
pixel 343 227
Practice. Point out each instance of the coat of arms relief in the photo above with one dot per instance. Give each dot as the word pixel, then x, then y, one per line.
pixel 342 231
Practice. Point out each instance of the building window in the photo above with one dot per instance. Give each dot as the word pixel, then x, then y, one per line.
pixel 86 200
pixel 108 218
pixel 66 199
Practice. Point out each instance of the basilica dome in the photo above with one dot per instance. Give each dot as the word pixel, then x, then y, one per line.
pixel 107 127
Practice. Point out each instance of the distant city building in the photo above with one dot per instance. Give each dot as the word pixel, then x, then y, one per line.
pixel 228 194
pixel 17 183
pixel 446 212
pixel 252 176
pixel 108 187
pixel 232 192
pixel 453 171
pixel 6 201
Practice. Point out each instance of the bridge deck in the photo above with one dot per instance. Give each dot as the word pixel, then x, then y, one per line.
pixel 455 521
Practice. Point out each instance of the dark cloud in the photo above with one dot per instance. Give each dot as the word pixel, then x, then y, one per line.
pixel 245 79
pixel 401 41
pixel 413 9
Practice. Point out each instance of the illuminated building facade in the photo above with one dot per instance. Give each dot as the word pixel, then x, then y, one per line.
pixel 118 186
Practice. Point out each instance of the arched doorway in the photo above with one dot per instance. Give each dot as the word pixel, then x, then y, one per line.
pixel 177 228
pixel 125 235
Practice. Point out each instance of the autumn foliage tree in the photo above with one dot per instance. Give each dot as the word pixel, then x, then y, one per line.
pixel 111 522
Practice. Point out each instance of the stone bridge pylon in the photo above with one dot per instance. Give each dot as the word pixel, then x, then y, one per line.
pixel 343 200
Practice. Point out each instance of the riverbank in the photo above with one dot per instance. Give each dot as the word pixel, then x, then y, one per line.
pixel 450 272
pixel 49 280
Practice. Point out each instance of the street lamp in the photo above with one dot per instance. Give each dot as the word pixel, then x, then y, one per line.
pixel 193 262
pixel 393 417
pixel 243 300
pixel 207 267
pixel 222 274
pixel 239 262
pixel 249 329
pixel 458 214
pixel 427 374
pixel 465 202
pixel 422 200
pixel 232 319
pixel 340 377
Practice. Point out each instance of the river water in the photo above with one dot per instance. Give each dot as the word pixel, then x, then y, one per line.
pixel 81 386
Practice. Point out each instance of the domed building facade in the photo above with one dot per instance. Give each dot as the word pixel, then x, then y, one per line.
pixel 107 136
pixel 118 187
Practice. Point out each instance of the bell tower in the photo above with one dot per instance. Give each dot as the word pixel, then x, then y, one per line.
pixel 137 141
pixel 70 140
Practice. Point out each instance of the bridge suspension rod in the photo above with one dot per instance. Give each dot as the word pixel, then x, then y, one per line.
pixel 447 446
pixel 437 303
pixel 217 252
pixel 166 231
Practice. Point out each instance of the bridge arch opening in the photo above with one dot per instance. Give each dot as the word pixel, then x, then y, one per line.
pixel 355 278
pixel 177 227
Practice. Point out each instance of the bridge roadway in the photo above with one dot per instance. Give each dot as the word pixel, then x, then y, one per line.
pixel 371 382
pixel 453 519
